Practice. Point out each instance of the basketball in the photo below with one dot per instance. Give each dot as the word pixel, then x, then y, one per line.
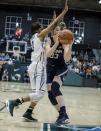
pixel 66 36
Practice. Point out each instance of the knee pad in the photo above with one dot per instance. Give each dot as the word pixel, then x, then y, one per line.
pixel 55 89
pixel 52 98
pixel 35 97
pixel 58 80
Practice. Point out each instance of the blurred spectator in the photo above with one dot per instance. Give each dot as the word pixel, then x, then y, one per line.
pixel 88 72
pixel 5 75
pixel 74 59
pixel 26 77
pixel 18 33
pixel 86 56
pixel 10 62
pixel 1 72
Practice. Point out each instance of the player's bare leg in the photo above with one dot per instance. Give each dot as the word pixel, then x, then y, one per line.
pixel 58 101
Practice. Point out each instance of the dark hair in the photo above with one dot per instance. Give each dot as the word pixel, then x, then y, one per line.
pixel 35 27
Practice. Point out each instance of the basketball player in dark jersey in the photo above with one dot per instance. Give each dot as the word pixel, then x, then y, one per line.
pixel 57 57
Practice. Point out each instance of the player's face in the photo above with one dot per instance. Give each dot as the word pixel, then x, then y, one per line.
pixel 56 30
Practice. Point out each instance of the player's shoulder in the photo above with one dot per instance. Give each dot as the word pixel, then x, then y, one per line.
pixel 33 37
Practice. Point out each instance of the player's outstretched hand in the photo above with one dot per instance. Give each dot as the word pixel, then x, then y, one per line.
pixel 66 6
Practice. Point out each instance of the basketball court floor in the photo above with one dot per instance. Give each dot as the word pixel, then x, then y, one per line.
pixel 83 104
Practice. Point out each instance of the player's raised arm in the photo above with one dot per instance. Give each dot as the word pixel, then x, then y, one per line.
pixel 51 26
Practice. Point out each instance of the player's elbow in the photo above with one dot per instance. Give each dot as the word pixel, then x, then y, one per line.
pixel 67 57
pixel 49 52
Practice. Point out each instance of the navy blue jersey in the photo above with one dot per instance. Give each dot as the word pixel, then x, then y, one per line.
pixel 57 59
pixel 56 64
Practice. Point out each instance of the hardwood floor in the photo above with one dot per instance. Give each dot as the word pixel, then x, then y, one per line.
pixel 83 105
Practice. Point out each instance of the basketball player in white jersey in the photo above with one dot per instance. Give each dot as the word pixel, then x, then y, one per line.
pixel 37 69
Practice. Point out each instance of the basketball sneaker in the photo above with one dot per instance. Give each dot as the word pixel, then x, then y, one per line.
pixel 10 105
pixel 63 119
pixel 28 117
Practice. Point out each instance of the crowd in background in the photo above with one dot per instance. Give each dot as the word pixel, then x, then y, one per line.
pixel 82 62
pixel 86 68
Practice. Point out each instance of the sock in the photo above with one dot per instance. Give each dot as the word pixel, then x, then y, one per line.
pixel 29 110
pixel 62 110
pixel 19 100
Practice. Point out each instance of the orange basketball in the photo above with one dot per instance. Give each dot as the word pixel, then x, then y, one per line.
pixel 66 36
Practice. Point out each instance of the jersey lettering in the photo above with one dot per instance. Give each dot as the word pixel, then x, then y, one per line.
pixel 56 54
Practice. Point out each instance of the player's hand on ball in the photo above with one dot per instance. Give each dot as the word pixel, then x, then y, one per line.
pixel 66 37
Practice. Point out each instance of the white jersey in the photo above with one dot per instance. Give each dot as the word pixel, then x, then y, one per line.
pixel 38 47
pixel 37 68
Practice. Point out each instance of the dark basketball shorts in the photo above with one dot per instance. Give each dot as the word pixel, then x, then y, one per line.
pixel 56 71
